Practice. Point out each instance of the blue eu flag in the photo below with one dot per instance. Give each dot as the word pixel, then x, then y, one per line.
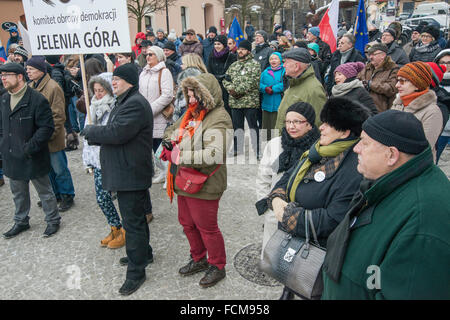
pixel 361 34
pixel 236 32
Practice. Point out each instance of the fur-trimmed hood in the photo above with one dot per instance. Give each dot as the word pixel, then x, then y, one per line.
pixel 206 89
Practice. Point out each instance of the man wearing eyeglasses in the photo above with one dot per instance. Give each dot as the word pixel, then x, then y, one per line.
pixel 380 76
pixel 26 127
pixel 397 54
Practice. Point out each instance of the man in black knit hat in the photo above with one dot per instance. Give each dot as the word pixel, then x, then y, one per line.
pixel 391 242
pixel 126 160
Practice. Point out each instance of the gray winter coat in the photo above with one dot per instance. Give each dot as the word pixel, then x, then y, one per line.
pixel 425 53
pixel 397 54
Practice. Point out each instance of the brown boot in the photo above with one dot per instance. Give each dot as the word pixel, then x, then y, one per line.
pixel 212 276
pixel 119 239
pixel 149 217
pixel 108 238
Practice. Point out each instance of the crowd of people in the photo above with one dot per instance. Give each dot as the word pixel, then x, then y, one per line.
pixel 353 137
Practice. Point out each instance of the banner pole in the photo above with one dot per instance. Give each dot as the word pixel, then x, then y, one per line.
pixel 85 89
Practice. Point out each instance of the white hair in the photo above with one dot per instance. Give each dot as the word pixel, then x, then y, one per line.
pixel 158 52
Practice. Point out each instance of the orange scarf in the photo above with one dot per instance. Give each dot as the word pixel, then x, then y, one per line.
pixel 410 97
pixel 190 122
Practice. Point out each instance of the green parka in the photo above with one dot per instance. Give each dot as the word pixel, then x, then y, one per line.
pixel 306 88
pixel 401 237
pixel 209 144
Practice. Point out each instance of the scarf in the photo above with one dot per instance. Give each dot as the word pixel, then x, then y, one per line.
pixel 190 122
pixel 406 100
pixel 293 149
pixel 222 53
pixel 426 48
pixel 100 107
pixel 343 88
pixel 313 156
pixel 272 70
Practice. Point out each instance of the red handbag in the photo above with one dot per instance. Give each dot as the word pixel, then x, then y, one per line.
pixel 190 180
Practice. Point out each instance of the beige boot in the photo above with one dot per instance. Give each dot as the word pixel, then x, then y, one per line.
pixel 108 238
pixel 119 239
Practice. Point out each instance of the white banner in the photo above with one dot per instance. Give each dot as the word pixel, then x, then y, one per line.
pixel 77 26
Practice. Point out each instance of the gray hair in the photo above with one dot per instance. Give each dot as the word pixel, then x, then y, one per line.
pixel 101 81
pixel 158 52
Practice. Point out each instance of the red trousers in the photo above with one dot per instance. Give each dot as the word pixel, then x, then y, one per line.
pixel 199 220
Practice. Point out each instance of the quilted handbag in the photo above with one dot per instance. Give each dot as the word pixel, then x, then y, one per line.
pixel 190 180
pixel 295 262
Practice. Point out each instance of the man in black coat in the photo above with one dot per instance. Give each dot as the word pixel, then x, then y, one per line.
pixel 345 52
pixel 26 126
pixel 126 160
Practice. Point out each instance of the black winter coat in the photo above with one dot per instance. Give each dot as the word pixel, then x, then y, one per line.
pixel 324 54
pixel 336 61
pixel 425 54
pixel 328 200
pixel 126 144
pixel 262 54
pixel 24 136
pixel 362 96
pixel 218 67
pixel 443 102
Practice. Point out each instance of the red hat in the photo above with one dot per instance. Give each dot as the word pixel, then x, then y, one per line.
pixel 438 72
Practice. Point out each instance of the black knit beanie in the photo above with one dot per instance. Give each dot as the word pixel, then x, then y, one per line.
pixel 128 72
pixel 222 39
pixel 305 109
pixel 246 45
pixel 394 128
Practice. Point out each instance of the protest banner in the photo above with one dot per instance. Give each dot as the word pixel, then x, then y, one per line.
pixel 77 27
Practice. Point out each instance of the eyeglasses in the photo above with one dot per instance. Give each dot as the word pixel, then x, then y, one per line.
pixel 150 54
pixel 402 81
pixel 426 36
pixel 4 75
pixel 294 122
pixel 375 53
pixel 445 62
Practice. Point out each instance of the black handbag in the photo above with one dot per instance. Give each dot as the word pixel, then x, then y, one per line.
pixel 296 262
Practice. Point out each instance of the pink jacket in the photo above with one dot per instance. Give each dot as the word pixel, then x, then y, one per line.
pixel 148 87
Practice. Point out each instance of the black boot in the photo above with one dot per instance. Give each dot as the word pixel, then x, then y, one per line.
pixel 66 202
pixel 15 230
pixel 287 294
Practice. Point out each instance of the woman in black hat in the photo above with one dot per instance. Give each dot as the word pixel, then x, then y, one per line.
pixel 325 178
pixel 428 47
pixel 220 59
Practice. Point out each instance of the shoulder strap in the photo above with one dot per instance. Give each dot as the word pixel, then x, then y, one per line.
pixel 159 80
pixel 215 170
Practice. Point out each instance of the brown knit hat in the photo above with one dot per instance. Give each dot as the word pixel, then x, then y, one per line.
pixel 419 73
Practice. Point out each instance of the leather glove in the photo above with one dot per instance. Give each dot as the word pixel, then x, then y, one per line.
pixel 173 156
pixel 269 90
pixel 279 205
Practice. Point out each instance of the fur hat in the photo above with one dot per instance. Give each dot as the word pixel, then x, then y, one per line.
pixel 343 114
pixel 431 30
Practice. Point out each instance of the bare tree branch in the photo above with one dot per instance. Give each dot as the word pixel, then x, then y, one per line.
pixel 138 9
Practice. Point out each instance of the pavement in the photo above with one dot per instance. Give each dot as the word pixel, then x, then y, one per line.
pixel 71 265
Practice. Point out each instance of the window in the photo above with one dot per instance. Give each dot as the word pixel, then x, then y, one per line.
pixel 184 19
pixel 148 21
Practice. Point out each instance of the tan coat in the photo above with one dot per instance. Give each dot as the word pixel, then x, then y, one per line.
pixel 208 147
pixel 51 90
pixel 382 83
pixel 426 110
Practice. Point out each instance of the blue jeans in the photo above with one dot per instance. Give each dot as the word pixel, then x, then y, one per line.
pixel 60 176
pixel 440 146
pixel 77 118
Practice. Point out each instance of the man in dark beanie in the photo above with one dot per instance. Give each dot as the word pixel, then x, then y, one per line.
pixel 242 83
pixel 60 175
pixel 26 126
pixel 398 55
pixel 173 59
pixel 208 44
pixel 126 161
pixel 262 51
pixel 394 232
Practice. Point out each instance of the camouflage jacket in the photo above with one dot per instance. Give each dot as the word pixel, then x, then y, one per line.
pixel 245 75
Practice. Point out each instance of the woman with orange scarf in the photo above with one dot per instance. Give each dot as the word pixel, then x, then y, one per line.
pixel 197 143
pixel 413 83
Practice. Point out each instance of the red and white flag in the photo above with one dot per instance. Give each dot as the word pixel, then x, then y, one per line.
pixel 329 25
